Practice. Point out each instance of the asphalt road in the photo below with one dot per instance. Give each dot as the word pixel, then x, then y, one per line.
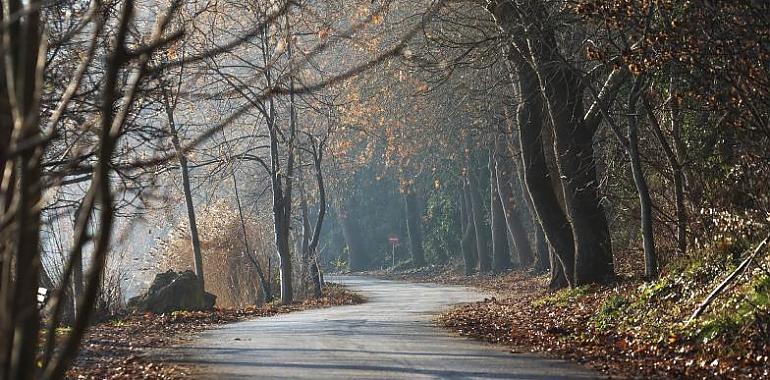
pixel 389 337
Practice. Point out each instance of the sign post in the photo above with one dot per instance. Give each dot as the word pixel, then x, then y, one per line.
pixel 393 240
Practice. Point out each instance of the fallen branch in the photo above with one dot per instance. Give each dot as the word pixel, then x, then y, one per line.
pixel 714 293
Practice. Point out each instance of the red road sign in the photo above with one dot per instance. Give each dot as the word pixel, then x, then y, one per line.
pixel 393 239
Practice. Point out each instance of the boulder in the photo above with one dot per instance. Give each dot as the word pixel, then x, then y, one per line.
pixel 173 291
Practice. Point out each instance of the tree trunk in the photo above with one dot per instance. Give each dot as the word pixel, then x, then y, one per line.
pixel 674 161
pixel 530 118
pixel 645 202
pixel 351 230
pixel 477 210
pixel 501 254
pixel 543 258
pixel 315 270
pixel 77 271
pixel 505 176
pixel 558 279
pixel 414 227
pixel 563 92
pixel 590 258
pixel 21 245
pixel 196 244
pixel 680 179
pixel 469 232
pixel 281 224
pixel 305 242
pixel 281 183
pixel 553 220
pixel 541 252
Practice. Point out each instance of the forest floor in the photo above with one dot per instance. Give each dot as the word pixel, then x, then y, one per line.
pixel 118 349
pixel 630 329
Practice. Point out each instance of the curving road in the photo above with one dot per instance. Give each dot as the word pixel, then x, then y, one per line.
pixel 389 337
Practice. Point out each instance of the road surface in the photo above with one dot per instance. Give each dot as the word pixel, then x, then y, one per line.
pixel 388 337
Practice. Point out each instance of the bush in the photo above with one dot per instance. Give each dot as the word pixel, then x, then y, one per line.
pixel 228 272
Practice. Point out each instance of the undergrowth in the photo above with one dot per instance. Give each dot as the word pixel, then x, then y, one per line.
pixel 658 312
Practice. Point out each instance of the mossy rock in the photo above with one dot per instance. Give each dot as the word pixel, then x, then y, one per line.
pixel 172 291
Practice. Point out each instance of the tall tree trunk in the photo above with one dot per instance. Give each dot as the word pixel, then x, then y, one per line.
pixel 506 177
pixel 530 119
pixel 541 250
pixel 469 232
pixel 414 226
pixel 675 162
pixel 551 216
pixel 543 257
pixel 680 178
pixel 563 92
pixel 501 253
pixel 351 230
pixel 562 89
pixel 477 210
pixel 23 66
pixel 282 182
pixel 304 247
pixel 315 271
pixel 6 166
pixel 186 188
pixel 645 201
pixel 285 265
pixel 77 271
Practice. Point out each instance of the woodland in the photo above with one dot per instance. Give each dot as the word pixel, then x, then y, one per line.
pixel 602 166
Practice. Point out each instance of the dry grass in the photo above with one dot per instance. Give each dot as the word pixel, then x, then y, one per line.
pixel 229 273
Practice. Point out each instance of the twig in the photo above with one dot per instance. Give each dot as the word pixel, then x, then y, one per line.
pixel 714 293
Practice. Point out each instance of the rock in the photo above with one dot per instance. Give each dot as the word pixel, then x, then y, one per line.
pixel 173 291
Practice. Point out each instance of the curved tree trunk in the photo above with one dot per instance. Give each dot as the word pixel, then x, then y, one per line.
pixel 530 118
pixel 536 57
pixel 315 271
pixel 593 251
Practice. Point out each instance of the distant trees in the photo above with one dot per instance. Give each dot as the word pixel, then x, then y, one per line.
pixel 605 136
